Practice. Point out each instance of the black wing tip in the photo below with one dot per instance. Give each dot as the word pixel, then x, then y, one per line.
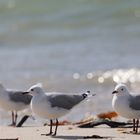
pixel 84 95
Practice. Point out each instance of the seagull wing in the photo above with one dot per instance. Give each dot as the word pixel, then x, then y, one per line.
pixel 17 96
pixel 135 102
pixel 64 101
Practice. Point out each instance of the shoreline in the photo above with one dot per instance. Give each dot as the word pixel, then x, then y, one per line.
pixel 65 132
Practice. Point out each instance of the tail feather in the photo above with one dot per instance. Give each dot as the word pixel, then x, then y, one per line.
pixel 85 95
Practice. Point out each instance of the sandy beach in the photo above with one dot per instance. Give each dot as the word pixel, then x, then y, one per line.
pixel 65 132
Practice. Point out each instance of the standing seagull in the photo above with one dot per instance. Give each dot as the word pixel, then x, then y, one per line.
pixel 53 105
pixel 12 100
pixel 127 104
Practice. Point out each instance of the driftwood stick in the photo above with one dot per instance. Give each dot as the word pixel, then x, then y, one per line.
pixel 9 139
pixel 22 121
pixel 112 124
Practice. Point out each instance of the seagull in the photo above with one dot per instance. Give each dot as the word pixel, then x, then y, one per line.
pixel 127 104
pixel 53 105
pixel 14 101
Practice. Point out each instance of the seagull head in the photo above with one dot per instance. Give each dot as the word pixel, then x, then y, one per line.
pixel 35 90
pixel 121 90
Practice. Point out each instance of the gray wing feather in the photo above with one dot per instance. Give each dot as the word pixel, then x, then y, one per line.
pixel 65 101
pixel 17 96
pixel 135 102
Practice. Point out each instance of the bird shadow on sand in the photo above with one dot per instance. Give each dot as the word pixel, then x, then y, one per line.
pixel 81 137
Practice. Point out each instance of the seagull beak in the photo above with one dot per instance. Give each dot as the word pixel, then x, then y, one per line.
pixel 114 92
pixel 26 92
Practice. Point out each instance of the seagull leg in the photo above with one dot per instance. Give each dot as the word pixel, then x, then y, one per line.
pixel 137 125
pixel 51 123
pixel 56 128
pixel 13 120
pixel 50 133
pixel 16 118
pixel 134 125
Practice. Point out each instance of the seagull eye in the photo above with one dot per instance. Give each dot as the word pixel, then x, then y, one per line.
pixel 122 89
pixel 32 89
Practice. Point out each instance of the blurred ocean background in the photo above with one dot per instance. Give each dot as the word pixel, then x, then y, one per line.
pixel 71 46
